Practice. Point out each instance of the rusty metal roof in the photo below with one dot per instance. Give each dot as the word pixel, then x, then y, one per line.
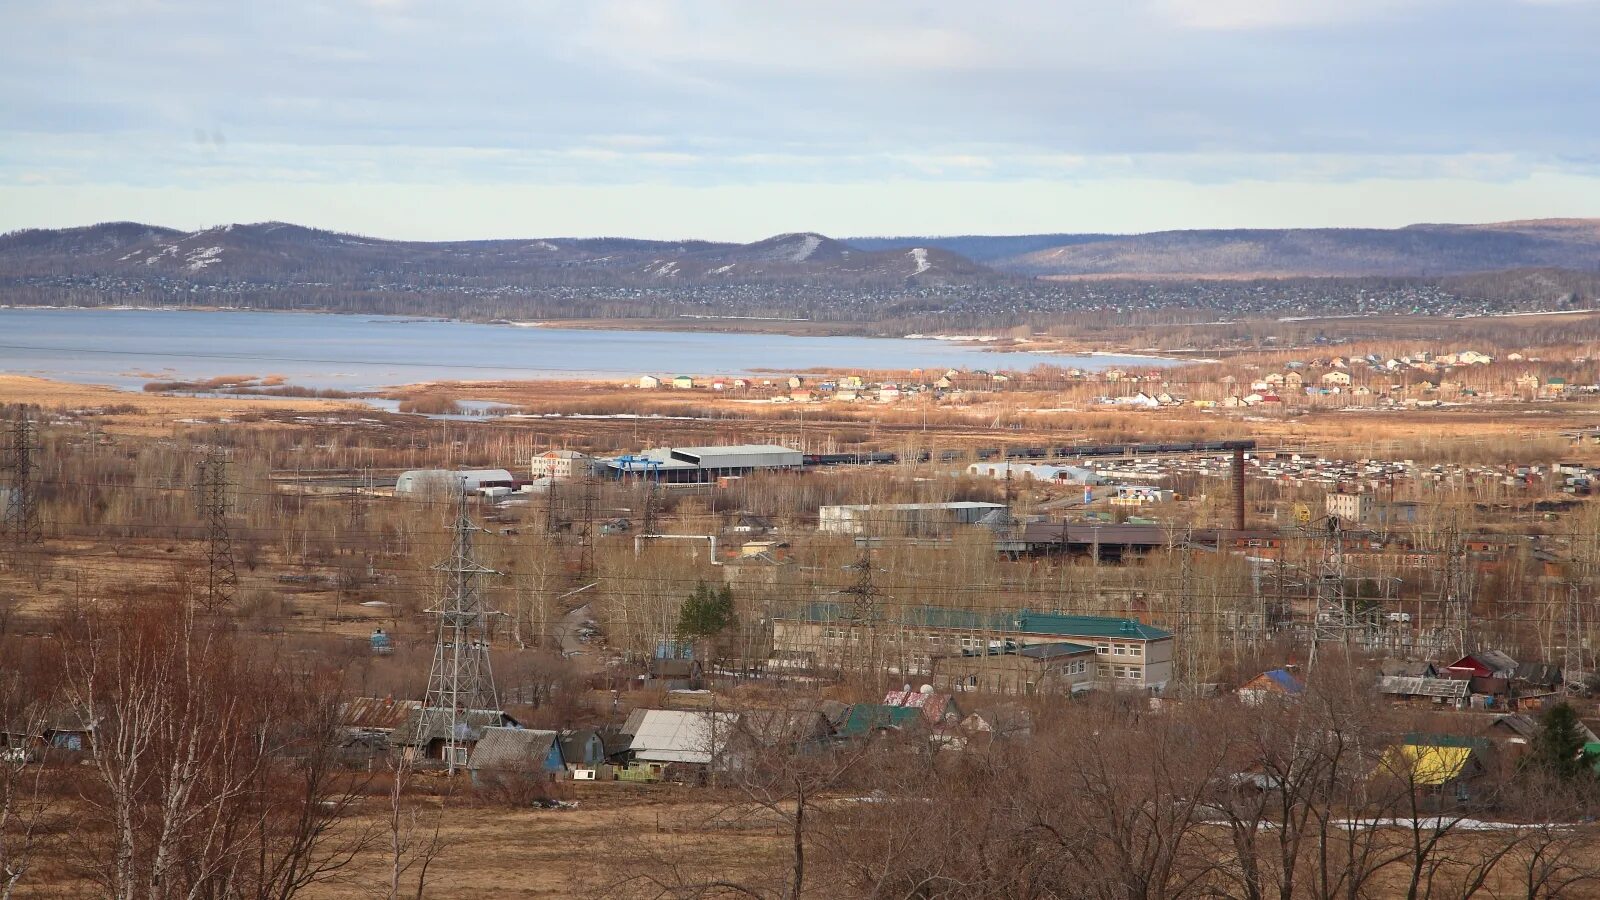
pixel 377 713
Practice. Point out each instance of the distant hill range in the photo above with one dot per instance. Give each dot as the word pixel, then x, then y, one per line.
pixel 1416 250
pixel 977 280
pixel 275 251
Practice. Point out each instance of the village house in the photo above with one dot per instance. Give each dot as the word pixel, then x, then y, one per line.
pixel 664 738
pixel 923 712
pixel 369 723
pixel 582 748
pixel 1444 765
pixel 504 755
pixel 649 382
pixel 1274 684
pixel 430 744
pixel 682 382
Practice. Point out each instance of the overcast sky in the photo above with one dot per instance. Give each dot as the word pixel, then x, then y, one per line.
pixel 739 119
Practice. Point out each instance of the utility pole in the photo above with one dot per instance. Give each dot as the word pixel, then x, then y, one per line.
pixel 212 496
pixel 460 681
pixel 1572 665
pixel 20 526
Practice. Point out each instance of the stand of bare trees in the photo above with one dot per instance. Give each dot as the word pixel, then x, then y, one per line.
pixel 211 767
pixel 1112 799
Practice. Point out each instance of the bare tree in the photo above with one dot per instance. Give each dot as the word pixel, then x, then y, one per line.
pixel 25 806
pixel 414 838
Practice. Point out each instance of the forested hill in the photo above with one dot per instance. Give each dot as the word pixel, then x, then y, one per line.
pixel 1416 250
pixel 919 283
pixel 275 251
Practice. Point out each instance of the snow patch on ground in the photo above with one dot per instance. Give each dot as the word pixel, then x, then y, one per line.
pixel 545 245
pixel 203 257
pixel 920 255
pixel 669 269
pixel 722 270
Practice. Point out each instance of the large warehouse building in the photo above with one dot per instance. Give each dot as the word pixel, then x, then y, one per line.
pixel 699 464
pixel 419 481
pixel 927 519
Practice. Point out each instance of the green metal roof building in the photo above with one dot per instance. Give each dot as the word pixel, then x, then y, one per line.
pixel 1129 653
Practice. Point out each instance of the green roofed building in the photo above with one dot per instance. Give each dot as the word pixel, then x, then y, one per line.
pixel 906 640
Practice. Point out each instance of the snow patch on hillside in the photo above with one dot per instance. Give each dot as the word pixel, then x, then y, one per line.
pixel 203 257
pixel 920 255
pixel 722 270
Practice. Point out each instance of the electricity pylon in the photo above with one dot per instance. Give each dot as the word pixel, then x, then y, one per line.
pixel 20 525
pixel 460 680
pixel 212 496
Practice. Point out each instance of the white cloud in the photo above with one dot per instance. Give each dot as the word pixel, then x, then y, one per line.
pixel 705 94
pixel 1245 15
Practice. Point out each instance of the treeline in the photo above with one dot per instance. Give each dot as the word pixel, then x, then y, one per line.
pixel 892 306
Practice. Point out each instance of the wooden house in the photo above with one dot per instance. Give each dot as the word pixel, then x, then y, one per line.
pixel 515 754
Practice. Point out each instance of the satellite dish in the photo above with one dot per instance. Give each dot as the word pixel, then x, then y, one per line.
pixel 927 689
pixel 907 687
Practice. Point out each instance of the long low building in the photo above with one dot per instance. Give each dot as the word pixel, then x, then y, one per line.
pixel 907 640
pixel 701 464
pixel 419 481
pixel 1035 472
pixel 907 518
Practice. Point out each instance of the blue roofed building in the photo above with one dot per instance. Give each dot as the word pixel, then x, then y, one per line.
pixel 1273 683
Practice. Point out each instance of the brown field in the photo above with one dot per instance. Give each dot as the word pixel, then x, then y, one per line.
pixel 126 412
pixel 503 852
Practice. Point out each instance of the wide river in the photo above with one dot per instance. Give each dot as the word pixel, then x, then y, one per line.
pixel 128 347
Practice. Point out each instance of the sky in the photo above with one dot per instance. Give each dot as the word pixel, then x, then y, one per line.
pixel 734 120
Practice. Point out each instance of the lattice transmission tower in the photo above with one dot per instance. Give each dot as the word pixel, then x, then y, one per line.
pixel 861 612
pixel 586 526
pixel 211 495
pixel 460 682
pixel 19 526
